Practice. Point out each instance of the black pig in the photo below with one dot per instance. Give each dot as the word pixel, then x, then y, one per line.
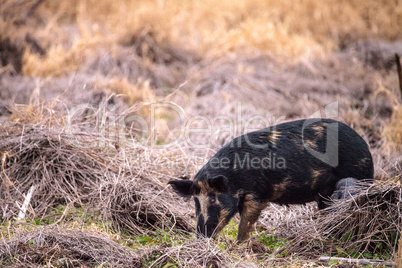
pixel 290 163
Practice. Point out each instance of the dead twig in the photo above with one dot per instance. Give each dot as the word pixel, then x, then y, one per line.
pixel 357 261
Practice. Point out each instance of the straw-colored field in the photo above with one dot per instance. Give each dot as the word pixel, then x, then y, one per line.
pixel 100 102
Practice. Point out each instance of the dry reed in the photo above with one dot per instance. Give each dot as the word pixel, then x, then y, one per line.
pixel 368 222
pixel 61 171
pixel 65 248
pixel 139 206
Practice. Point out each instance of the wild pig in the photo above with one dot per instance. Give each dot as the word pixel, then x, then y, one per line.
pixel 289 163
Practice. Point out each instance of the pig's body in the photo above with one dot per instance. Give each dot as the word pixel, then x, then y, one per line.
pixel 285 164
pixel 294 175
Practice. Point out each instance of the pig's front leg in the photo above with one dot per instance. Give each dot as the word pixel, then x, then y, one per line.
pixel 249 213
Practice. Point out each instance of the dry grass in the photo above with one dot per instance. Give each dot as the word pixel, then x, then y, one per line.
pixel 138 93
pixel 65 248
pixel 138 206
pixel 393 130
pixel 69 167
pixel 37 114
pixel 110 60
pixel 367 223
pixel 370 221
pixel 128 187
pixel 76 32
pixel 55 164
pixel 284 28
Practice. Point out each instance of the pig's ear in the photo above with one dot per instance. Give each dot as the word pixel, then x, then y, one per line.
pixel 182 187
pixel 219 183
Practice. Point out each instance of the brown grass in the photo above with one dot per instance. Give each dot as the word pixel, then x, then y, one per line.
pixel 138 93
pixel 61 171
pixel 393 130
pixel 371 217
pixel 291 30
pixel 75 164
pixel 65 248
pixel 279 59
pixel 368 222
pixel 136 206
pixel 284 28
